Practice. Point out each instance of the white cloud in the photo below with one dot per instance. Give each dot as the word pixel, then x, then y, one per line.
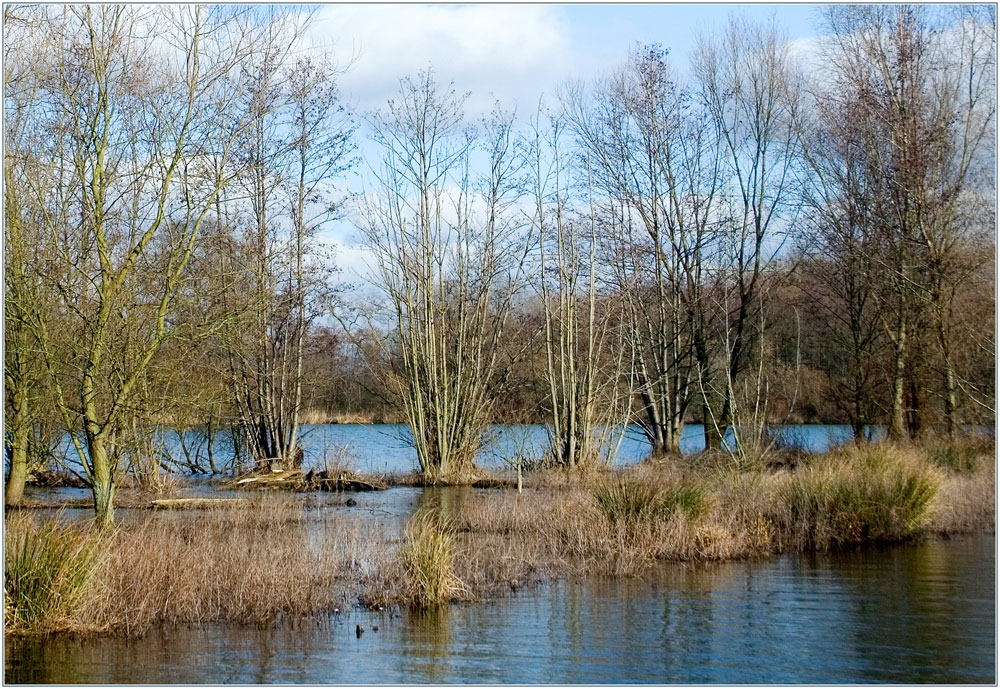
pixel 514 51
pixel 808 52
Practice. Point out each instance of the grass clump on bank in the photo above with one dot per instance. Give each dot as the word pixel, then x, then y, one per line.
pixel 48 568
pixel 858 495
pixel 629 500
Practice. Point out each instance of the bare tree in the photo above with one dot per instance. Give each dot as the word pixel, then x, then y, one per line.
pixel 144 100
pixel 838 275
pixel 278 273
pixel 585 353
pixel 747 84
pixel 921 86
pixel 25 250
pixel 655 157
pixel 450 261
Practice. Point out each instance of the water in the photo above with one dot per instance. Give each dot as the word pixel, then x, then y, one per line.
pixel 385 448
pixel 906 614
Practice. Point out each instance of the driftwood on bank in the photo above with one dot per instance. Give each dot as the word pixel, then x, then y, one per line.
pixel 294 479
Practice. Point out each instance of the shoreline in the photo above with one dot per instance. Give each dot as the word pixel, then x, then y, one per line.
pixel 297 555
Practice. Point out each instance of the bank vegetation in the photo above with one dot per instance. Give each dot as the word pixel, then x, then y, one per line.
pixel 758 237
pixel 275 558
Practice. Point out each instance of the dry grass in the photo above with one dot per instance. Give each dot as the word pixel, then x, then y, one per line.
pixel 275 557
pixel 860 494
pixel 249 565
pixel 429 561
pixel 621 523
pixel 48 568
pixel 320 416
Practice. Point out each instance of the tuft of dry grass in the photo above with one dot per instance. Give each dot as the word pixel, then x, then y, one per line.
pixel 861 493
pixel 246 565
pixel 627 500
pixel 428 559
pixel 48 567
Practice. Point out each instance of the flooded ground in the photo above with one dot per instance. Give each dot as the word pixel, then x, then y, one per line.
pixel 922 613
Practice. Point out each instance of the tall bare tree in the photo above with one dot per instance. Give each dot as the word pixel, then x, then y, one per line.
pixel 449 256
pixel 655 157
pixel 26 177
pixel 749 87
pixel 144 101
pixel 278 280
pixel 586 358
pixel 921 85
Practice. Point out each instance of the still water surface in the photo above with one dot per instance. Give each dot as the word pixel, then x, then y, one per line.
pixel 910 614
pixel 383 448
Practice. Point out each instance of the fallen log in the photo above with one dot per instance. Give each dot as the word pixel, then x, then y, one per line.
pixel 197 503
pixel 265 479
pixel 314 480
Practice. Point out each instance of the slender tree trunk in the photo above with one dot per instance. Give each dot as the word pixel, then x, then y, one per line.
pixel 948 374
pixel 18 464
pixel 950 395
pixel 860 405
pixel 897 424
pixel 20 434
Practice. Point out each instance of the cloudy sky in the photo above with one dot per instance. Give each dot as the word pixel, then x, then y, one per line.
pixel 514 53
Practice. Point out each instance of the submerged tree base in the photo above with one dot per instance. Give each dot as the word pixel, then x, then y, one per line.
pixel 271 557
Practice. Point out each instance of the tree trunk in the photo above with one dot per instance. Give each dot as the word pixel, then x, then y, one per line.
pixel 102 481
pixel 897 425
pixel 914 419
pixel 20 435
pixel 18 464
pixel 950 388
pixel 859 421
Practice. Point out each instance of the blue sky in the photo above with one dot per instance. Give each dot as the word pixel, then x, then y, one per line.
pixel 612 29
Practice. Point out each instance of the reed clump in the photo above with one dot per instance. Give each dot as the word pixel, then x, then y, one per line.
pixel 962 455
pixel 48 567
pixel 862 494
pixel 629 500
pixel 428 558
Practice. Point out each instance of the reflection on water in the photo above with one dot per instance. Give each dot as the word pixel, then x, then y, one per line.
pixel 910 614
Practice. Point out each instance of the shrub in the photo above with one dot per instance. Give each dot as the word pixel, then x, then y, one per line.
pixel 961 459
pixel 47 569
